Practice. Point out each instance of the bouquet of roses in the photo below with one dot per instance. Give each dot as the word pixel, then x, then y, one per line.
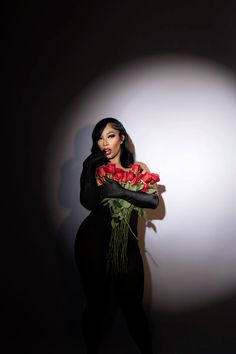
pixel 135 180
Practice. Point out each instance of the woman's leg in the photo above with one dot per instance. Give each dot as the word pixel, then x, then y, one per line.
pixel 89 256
pixel 96 294
pixel 129 289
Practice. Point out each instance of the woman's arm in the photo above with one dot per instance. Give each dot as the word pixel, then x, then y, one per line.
pixel 89 195
pixel 139 199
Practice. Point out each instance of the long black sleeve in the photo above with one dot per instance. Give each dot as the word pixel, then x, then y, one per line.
pixel 139 199
pixel 89 194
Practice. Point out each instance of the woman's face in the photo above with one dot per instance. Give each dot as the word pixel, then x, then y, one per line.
pixel 110 142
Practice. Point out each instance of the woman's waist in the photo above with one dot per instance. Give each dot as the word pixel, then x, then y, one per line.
pixel 99 222
pixel 106 212
pixel 106 209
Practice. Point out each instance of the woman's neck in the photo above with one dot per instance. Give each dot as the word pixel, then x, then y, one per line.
pixel 118 165
pixel 116 161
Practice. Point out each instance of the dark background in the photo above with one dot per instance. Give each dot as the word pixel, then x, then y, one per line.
pixel 51 52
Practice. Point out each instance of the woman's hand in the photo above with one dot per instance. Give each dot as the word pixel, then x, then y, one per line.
pixel 95 159
pixel 111 190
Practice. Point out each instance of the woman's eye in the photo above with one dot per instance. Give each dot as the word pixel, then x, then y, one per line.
pixel 111 136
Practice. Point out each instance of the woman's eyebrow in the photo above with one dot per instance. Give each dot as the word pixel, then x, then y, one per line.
pixel 112 131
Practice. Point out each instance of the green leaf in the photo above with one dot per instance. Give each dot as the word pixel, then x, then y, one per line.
pixel 121 216
pixel 133 188
pixel 116 203
pixel 114 224
pixel 105 201
pixel 125 204
pixel 108 180
pixel 151 191
pixel 142 213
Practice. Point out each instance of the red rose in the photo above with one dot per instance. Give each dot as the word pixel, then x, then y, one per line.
pixel 110 168
pixel 130 176
pixel 146 177
pixel 100 171
pixel 135 168
pixel 115 178
pixel 145 188
pixel 101 180
pixel 118 175
pixel 135 181
pixel 119 170
pixel 155 178
pixel 124 178
pixel 139 175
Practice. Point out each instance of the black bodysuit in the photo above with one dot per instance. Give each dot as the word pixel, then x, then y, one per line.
pixel 91 248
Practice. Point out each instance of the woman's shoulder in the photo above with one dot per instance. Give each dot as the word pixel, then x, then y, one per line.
pixel 143 166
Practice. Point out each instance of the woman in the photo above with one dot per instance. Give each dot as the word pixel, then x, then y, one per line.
pixel 110 145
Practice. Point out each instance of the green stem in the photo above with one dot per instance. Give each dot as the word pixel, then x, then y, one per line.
pixel 130 227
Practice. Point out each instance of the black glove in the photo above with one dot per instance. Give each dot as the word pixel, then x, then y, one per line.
pixel 139 199
pixel 89 195
pixel 95 159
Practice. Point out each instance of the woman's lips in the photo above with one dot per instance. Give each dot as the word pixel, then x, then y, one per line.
pixel 107 151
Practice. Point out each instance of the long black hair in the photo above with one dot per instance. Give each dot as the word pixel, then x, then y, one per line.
pixel 126 156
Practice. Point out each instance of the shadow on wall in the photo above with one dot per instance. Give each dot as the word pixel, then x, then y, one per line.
pixel 68 198
pixel 156 214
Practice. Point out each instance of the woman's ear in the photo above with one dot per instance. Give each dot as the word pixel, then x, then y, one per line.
pixel 122 139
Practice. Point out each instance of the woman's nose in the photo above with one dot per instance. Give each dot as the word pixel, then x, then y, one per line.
pixel 105 142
